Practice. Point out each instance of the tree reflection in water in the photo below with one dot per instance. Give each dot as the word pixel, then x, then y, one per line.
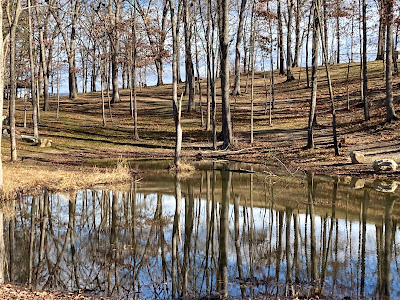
pixel 235 234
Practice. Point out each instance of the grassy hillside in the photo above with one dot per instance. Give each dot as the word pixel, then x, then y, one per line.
pixel 79 137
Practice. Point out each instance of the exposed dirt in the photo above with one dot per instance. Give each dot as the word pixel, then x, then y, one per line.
pixel 79 138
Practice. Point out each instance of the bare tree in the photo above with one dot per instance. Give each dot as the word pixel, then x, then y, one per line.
pixel 298 11
pixel 223 21
pixel 70 43
pixel 114 11
pixel 177 106
pixel 32 70
pixel 239 39
pixel 390 111
pixel 2 256
pixel 187 21
pixel 156 33
pixel 43 15
pixel 364 61
pixel 281 60
pixel 314 73
pixel 289 74
pixel 381 31
pixel 13 14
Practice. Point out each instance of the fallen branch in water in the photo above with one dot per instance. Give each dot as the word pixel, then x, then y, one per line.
pixel 218 153
pixel 237 170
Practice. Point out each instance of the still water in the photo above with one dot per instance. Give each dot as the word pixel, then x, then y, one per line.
pixel 236 233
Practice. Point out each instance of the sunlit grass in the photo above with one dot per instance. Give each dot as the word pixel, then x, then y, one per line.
pixel 21 178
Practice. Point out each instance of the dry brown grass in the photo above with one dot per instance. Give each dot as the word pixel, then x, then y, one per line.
pixel 184 169
pixel 21 178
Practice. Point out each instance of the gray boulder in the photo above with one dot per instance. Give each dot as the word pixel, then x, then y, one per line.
pixel 384 165
pixel 44 143
pixel 28 138
pixel 384 186
pixel 357 183
pixel 357 157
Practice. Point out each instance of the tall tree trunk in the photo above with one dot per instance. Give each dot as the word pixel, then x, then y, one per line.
pixel 134 75
pixel 94 69
pixel 115 49
pixel 381 31
pixel 2 248
pixel 280 40
pixel 338 5
pixel 73 87
pixel 159 70
pixel 390 111
pixel 73 91
pixel 289 74
pixel 271 72
pixel 364 61
pixel 188 54
pixel 103 112
pixel 198 74
pixel 13 79
pixel 175 104
pixel 32 70
pixel 307 50
pixel 331 96
pixel 43 61
pixel 223 9
pixel 297 33
pixel 239 39
pixel 324 23
pixel 114 77
pixel 314 75
pixel 252 63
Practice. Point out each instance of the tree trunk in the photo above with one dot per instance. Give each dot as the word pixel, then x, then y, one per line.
pixel 32 70
pixel 239 39
pixel 73 87
pixel 271 72
pixel 188 55
pixel 13 80
pixel 114 77
pixel 43 61
pixel 252 63
pixel 381 32
pixel 134 75
pixel 297 32
pixel 338 5
pixel 324 22
pixel 103 112
pixel 115 49
pixel 364 61
pixel 280 40
pixel 94 70
pixel 159 70
pixel 390 111
pixel 307 50
pixel 2 249
pixel 223 9
pixel 289 74
pixel 314 75
pixel 198 75
pixel 331 96
pixel 175 105
pixel 73 92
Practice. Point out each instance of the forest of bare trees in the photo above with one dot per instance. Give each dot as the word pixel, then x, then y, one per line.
pixel 109 45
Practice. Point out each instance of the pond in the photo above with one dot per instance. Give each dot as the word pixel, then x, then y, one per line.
pixel 227 229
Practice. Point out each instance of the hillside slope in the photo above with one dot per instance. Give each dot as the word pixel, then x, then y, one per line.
pixel 79 137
